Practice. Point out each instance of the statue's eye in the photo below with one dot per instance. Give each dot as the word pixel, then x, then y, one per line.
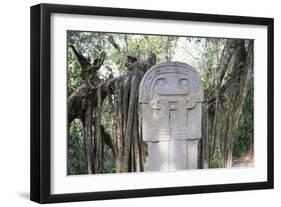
pixel 183 82
pixel 161 82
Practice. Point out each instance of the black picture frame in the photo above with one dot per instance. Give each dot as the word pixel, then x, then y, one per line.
pixel 41 96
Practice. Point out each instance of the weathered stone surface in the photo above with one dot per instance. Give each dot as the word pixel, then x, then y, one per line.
pixel 170 96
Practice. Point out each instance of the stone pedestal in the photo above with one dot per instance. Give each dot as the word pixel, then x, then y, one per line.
pixel 170 96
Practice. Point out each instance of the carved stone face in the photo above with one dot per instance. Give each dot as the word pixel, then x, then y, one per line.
pixel 169 95
pixel 173 80
pixel 170 98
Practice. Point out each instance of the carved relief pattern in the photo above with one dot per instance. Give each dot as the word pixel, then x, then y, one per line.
pixel 170 98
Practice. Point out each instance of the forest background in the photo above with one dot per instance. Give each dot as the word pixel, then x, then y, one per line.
pixel 104 71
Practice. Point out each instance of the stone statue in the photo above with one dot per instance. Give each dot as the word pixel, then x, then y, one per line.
pixel 170 96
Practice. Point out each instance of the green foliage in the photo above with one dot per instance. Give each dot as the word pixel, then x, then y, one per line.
pixel 76 160
pixel 244 138
pixel 117 47
pixel 74 71
pixel 208 64
pixel 108 161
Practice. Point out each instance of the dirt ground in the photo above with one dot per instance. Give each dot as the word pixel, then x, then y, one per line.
pixel 246 161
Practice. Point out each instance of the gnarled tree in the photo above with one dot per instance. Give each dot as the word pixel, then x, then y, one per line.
pixel 122 92
pixel 225 99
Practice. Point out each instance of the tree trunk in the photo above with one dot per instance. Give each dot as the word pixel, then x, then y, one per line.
pixel 88 137
pixel 226 101
pixel 204 140
pixel 125 114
